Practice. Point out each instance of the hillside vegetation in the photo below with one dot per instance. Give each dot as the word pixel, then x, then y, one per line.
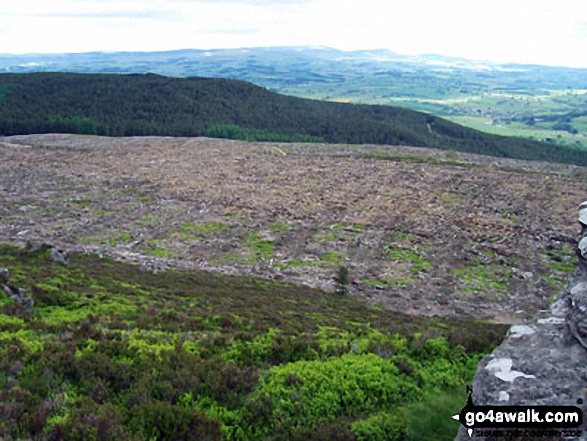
pixel 129 105
pixel 111 352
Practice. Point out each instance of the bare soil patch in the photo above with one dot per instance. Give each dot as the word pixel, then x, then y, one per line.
pixel 422 231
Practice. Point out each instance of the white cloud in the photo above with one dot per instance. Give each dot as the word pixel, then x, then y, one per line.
pixel 538 31
pixel 504 30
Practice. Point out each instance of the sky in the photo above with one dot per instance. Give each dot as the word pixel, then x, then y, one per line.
pixel 549 32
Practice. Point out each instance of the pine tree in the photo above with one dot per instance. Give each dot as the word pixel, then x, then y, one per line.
pixel 342 281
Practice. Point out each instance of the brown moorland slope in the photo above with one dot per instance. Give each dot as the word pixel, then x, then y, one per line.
pixel 422 231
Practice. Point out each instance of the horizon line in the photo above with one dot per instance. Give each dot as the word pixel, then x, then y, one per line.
pixel 292 47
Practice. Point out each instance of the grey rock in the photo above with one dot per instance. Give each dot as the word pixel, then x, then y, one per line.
pixel 518 331
pixel 4 275
pixel 27 302
pixel 541 362
pixel 576 317
pixel 58 256
pixel 14 292
pixel 583 214
pixel 546 367
pixel 552 321
pixel 18 295
pixel 582 248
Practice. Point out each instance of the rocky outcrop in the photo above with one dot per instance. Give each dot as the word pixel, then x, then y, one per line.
pixel 542 361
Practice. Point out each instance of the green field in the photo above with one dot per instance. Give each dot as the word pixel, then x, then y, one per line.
pixel 562 138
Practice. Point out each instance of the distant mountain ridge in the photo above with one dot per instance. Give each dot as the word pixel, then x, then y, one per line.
pixel 256 64
pixel 128 105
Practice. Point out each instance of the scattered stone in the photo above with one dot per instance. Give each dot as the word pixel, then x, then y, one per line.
pixel 27 302
pixel 150 267
pixel 527 275
pixel 67 335
pixel 11 382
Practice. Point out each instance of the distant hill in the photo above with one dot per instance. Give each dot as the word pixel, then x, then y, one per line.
pixel 137 104
pixel 304 71
pixel 540 103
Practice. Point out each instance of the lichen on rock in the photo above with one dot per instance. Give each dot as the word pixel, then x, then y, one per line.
pixel 542 362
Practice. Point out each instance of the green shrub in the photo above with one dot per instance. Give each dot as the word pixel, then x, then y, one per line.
pixel 334 388
pixel 49 295
pixel 88 421
pixel 228 384
pixel 164 421
pixel 432 349
pixel 430 419
pixel 325 431
pixel 10 324
pixel 22 415
pixel 246 353
pixel 382 426
pixel 213 355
